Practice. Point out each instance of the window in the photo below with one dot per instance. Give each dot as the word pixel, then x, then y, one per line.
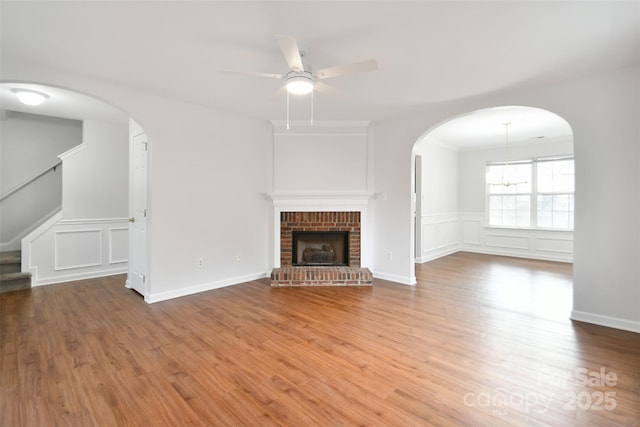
pixel 532 193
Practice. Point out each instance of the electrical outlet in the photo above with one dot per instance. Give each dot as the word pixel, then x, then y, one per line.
pixel 389 255
pixel 238 257
pixel 200 263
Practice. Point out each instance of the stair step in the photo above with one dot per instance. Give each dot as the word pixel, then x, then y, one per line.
pixel 14 282
pixel 14 267
pixel 11 278
pixel 10 262
pixel 10 257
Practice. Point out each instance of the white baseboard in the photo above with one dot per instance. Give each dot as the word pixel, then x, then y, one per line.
pixel 43 281
pixel 611 322
pixel 403 280
pixel 436 255
pixel 202 287
pixel 538 256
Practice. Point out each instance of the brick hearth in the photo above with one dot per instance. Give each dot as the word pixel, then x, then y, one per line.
pixel 321 276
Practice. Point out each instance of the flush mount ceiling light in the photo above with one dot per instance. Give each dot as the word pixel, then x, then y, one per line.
pixel 299 83
pixel 30 97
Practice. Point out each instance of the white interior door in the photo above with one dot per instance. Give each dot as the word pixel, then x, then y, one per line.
pixel 138 215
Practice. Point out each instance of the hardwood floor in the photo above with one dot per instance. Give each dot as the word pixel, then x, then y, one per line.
pixel 481 340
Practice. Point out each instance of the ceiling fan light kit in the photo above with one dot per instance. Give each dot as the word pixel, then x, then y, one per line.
pixel 299 83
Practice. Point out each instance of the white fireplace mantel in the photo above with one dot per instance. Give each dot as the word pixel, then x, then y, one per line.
pixel 323 202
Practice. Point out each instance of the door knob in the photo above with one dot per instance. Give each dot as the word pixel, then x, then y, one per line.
pixel 132 219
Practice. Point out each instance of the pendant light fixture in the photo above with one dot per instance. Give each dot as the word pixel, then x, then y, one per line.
pixel 505 175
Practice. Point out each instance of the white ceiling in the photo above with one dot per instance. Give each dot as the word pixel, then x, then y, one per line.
pixel 485 128
pixel 427 52
pixel 61 103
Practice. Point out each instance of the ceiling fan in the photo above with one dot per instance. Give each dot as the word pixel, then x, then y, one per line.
pixel 301 78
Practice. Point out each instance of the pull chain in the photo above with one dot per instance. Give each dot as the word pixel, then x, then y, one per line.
pixel 287 110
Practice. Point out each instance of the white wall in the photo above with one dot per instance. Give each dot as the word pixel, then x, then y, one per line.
pixel 439 177
pixel 95 179
pixel 603 113
pixel 327 157
pixel 207 197
pixel 438 225
pixel 29 144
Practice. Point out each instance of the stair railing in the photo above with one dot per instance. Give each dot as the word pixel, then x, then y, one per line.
pixel 30 180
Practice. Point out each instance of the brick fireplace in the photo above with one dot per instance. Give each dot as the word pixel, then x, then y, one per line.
pixel 325 222
pixel 290 273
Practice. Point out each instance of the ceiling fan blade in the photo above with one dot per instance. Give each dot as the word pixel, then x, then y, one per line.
pixel 291 52
pixel 340 70
pixel 325 89
pixel 254 74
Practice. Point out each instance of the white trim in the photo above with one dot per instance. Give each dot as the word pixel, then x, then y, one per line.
pixel 435 255
pixel 35 281
pixel 608 321
pixel 110 237
pixel 202 287
pixel 28 240
pixel 403 280
pixel 72 152
pixel 92 221
pixel 348 197
pixel 540 257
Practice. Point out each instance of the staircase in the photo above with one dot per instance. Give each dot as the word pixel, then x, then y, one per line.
pixel 11 279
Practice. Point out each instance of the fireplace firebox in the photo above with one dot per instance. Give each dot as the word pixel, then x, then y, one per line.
pixel 321 248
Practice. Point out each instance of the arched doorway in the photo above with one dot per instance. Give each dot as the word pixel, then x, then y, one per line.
pixel 451 191
pixel 83 231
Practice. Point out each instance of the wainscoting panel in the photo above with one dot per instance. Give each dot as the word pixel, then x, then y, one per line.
pixel 444 234
pixel 557 245
pixel 66 250
pixel 118 245
pixel 77 249
pixel 507 242
pixel 472 231
pixel 551 245
pixel 440 236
